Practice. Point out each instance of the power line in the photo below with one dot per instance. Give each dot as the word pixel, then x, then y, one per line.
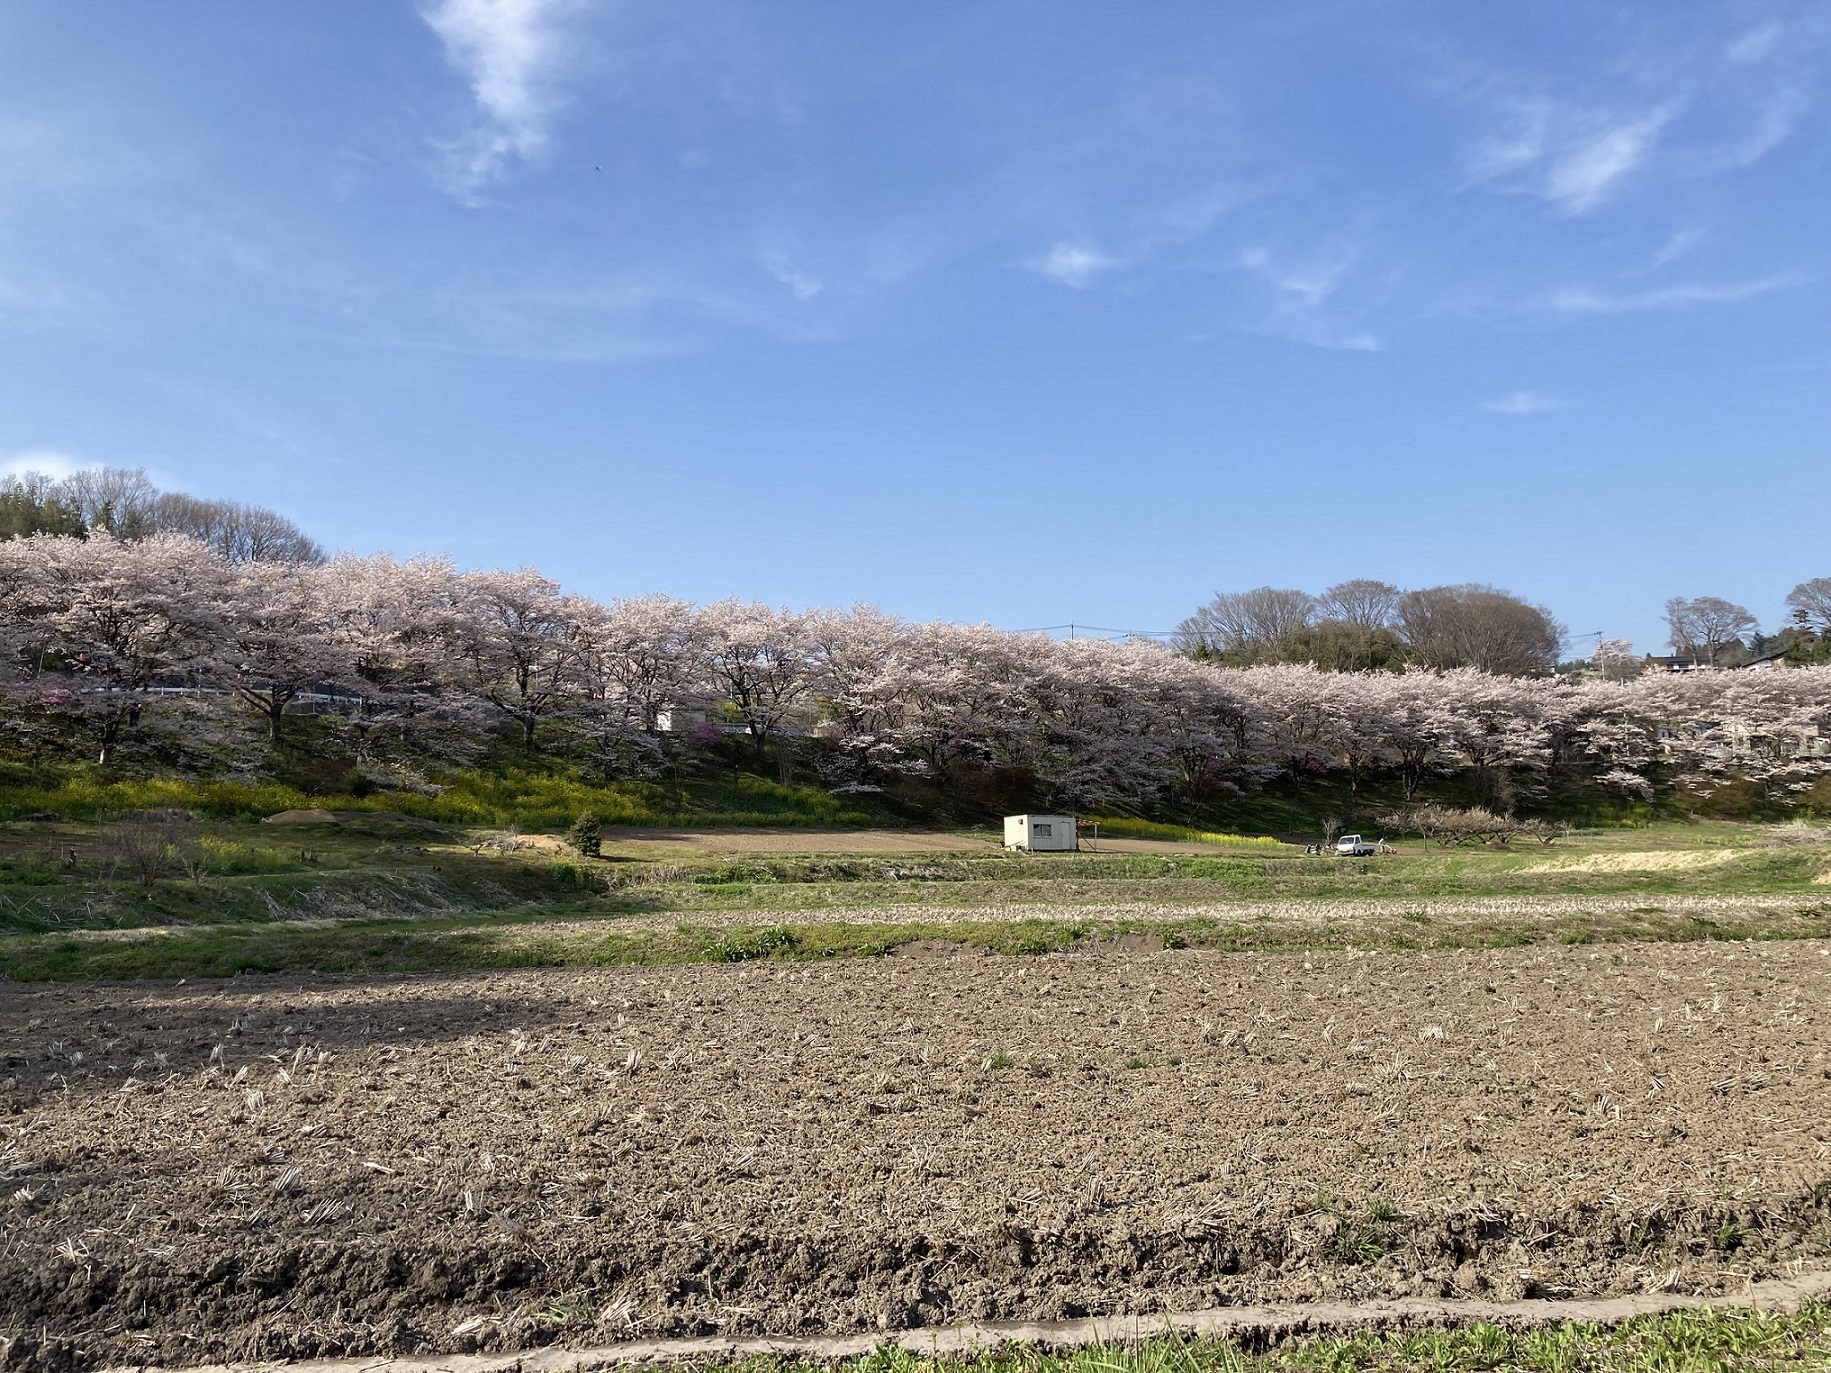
pixel 1077 627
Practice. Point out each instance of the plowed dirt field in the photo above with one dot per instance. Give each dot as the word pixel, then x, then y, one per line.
pixel 276 1167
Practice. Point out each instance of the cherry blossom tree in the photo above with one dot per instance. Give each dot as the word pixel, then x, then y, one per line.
pixel 277 623
pixel 648 654
pixel 521 645
pixel 761 659
pixel 400 625
pixel 1616 660
pixel 119 617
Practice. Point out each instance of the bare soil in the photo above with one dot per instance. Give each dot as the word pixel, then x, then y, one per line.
pixel 293 1167
pixel 659 843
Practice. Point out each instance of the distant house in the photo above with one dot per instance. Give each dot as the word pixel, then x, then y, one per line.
pixel 1041 833
pixel 1766 662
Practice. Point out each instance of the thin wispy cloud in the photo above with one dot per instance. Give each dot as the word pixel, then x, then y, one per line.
pixel 801 285
pixel 1675 247
pixel 509 50
pixel 1583 300
pixel 47 461
pixel 1074 264
pixel 1587 171
pixel 1776 122
pixel 1754 45
pixel 1572 157
pixel 1302 291
pixel 1521 403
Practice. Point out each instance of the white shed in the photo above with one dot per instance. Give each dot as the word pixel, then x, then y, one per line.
pixel 1040 833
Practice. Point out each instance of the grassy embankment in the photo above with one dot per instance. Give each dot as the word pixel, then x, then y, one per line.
pixel 378 894
pixel 1682 1342
pixel 521 797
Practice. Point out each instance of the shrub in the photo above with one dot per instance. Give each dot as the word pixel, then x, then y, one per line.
pixel 587 834
pixel 148 843
pixel 1447 825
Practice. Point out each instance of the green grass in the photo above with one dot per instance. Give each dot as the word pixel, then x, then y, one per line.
pixel 1704 1341
pixel 592 932
pixel 411 895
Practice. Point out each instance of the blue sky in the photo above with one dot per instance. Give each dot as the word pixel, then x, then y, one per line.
pixel 1011 311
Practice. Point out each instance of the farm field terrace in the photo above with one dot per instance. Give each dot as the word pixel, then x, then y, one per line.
pixel 298 1165
pixel 379 893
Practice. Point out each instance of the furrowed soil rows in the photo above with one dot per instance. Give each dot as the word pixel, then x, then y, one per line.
pixel 293 1167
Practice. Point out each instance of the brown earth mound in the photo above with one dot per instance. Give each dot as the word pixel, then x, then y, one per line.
pixel 287 1167
pixel 302 817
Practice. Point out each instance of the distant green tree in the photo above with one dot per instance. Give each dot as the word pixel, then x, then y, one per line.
pixel 1341 646
pixel 587 835
pixel 24 512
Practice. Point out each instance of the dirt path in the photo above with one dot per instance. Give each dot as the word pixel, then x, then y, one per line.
pixel 661 843
pixel 1371 917
pixel 304 1167
pixel 1784 1295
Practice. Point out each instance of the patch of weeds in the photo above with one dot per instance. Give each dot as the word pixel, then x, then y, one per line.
pixel 738 946
pixel 998 1060
pixel 1730 1236
pixel 1577 937
pixel 567 1311
pixel 1370 1237
pixel 1137 1063
pixel 725 888
pixel 1641 1235
pixel 1358 1241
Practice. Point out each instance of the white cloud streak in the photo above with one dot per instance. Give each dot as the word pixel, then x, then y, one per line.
pixel 1521 403
pixel 509 50
pixel 1302 293
pixel 801 285
pixel 1573 157
pixel 1582 300
pixel 1676 247
pixel 1585 172
pixel 1074 264
pixel 48 461
pixel 1778 119
pixel 1754 45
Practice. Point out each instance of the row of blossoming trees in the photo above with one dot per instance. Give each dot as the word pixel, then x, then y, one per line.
pixel 163 652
